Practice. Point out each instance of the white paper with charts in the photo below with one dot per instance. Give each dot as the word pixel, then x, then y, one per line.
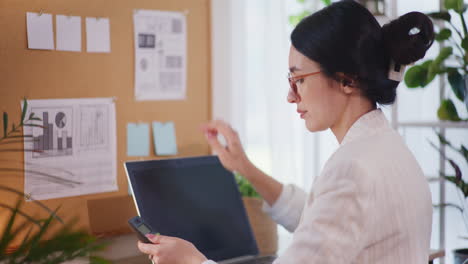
pixel 160 55
pixel 72 151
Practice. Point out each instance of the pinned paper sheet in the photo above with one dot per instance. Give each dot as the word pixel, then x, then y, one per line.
pixel 160 39
pixel 73 151
pixel 164 138
pixel 68 33
pixel 138 139
pixel 40 31
pixel 97 34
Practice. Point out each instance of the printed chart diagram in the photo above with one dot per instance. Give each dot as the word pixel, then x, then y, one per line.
pixel 93 125
pixel 55 137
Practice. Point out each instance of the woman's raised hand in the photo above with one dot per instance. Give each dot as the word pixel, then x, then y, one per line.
pixel 232 155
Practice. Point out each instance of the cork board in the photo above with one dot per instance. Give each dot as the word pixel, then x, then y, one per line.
pixel 36 74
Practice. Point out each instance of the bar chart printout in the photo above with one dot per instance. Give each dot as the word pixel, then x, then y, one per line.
pixel 55 136
pixel 74 148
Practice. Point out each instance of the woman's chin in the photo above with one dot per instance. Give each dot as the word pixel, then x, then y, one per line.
pixel 314 126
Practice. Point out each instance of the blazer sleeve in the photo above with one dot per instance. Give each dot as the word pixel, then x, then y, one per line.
pixel 331 227
pixel 287 209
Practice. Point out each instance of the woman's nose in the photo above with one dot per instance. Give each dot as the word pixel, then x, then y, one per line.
pixel 292 97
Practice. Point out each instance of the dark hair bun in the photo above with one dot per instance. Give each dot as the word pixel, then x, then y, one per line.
pixel 407 38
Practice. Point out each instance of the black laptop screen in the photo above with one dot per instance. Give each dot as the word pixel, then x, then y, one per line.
pixel 195 199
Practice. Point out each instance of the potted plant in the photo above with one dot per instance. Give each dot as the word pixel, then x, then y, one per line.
pixel 25 238
pixel 452 62
pixel 264 228
pixel 448 63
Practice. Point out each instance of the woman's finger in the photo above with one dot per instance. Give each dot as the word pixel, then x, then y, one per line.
pixel 155 259
pixel 222 127
pixel 154 238
pixel 216 145
pixel 150 249
pixel 227 131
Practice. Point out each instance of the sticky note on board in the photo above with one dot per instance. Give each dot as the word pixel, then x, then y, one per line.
pixel 164 138
pixel 40 31
pixel 138 139
pixel 98 34
pixel 68 33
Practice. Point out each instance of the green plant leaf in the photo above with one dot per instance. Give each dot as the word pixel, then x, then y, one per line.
pixel 457 83
pixel 419 75
pixel 443 35
pixel 449 205
pixel 301 1
pixel 464 152
pixel 443 55
pixel 462 185
pixel 33 125
pixel 326 2
pixel 436 66
pixel 5 124
pixel 456 168
pixel 24 110
pixel 295 19
pixel 98 260
pixel 415 76
pixel 7 231
pixel 443 15
pixel 456 5
pixel 245 187
pixel 447 111
pixel 464 44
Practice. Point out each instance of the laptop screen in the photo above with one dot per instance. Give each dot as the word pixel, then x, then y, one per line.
pixel 195 199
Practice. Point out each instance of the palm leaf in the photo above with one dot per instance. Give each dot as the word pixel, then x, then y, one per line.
pixel 24 110
pixel 463 186
pixel 13 209
pixel 38 203
pixel 35 253
pixel 53 178
pixel 7 236
pixel 5 124
pixel 443 141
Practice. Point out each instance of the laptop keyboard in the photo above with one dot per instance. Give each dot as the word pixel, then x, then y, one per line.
pixel 259 260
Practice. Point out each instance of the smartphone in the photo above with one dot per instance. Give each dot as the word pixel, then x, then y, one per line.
pixel 141 228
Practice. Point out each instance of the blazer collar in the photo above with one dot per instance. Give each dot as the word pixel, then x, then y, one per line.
pixel 367 125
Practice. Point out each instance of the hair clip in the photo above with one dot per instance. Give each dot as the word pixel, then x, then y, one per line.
pixel 414 31
pixel 396 71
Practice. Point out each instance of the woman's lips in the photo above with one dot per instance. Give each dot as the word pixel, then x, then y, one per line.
pixel 302 113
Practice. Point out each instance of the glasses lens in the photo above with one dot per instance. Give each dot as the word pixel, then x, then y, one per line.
pixel 293 86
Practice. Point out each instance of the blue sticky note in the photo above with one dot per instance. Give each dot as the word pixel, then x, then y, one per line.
pixel 164 138
pixel 138 139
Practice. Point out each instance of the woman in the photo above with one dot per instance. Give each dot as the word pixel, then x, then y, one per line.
pixel 371 203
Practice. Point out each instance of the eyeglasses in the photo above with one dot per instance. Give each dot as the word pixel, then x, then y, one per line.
pixel 294 79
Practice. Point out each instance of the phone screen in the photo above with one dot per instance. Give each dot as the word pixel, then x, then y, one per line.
pixel 144 229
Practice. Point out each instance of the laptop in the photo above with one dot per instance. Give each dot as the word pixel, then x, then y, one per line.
pixel 195 199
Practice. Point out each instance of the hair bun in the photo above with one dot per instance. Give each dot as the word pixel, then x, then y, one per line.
pixel 407 38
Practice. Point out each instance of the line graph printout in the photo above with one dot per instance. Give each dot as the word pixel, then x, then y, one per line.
pixel 72 150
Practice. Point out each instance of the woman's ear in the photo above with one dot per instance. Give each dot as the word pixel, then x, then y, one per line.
pixel 347 83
